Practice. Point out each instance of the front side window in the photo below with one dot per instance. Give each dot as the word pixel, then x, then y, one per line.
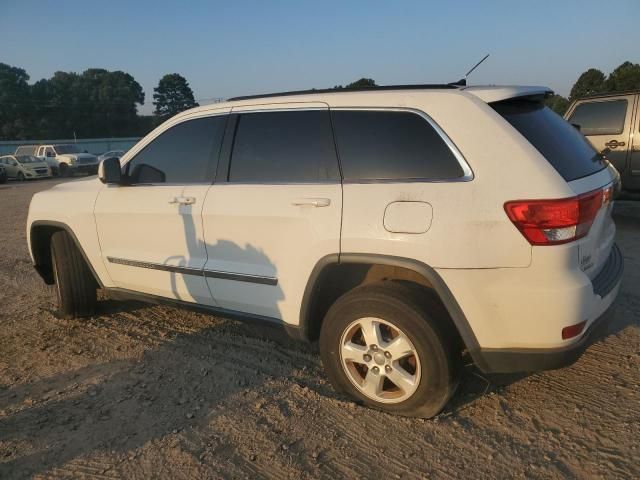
pixel 287 147
pixel 390 145
pixel 600 118
pixel 182 154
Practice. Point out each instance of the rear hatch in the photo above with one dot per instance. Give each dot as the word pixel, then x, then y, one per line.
pixel 588 174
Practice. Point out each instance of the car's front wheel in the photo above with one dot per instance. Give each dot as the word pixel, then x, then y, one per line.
pixel 20 177
pixel 65 170
pixel 389 346
pixel 75 285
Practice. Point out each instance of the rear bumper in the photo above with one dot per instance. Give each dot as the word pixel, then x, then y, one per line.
pixel 606 285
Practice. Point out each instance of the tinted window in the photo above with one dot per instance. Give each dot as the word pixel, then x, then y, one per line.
pixel 558 141
pixel 284 147
pixel 600 118
pixel 377 145
pixel 181 154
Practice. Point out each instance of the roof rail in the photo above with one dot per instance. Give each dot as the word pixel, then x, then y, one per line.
pixel 448 86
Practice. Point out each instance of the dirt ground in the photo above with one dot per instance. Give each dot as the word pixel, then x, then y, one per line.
pixel 147 391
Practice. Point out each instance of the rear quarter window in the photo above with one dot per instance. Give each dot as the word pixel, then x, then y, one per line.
pixel 564 147
pixel 391 145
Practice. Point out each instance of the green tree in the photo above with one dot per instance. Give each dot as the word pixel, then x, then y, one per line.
pixel 557 103
pixel 14 103
pixel 624 77
pixel 362 83
pixel 590 82
pixel 172 95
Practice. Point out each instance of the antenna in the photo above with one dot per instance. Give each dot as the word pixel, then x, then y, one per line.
pixel 475 66
pixel 463 81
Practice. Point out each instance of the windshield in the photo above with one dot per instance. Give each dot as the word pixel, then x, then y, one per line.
pixel 564 147
pixel 64 149
pixel 27 159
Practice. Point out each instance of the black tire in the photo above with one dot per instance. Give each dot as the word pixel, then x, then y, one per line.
pixel 64 170
pixel 20 177
pixel 3 179
pixel 75 285
pixel 422 320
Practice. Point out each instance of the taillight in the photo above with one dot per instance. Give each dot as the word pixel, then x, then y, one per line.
pixel 553 222
pixel 573 330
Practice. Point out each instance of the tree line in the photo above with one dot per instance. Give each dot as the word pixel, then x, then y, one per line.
pixel 95 103
pixel 102 103
pixel 623 78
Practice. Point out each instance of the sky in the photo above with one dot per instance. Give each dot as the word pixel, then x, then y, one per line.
pixel 242 47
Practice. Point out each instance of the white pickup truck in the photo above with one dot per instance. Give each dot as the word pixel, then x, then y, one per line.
pixel 64 159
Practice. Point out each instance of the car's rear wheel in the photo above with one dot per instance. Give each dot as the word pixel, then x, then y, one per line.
pixel 20 177
pixel 390 346
pixel 75 285
pixel 64 170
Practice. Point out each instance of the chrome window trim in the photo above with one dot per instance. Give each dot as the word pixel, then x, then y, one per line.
pixel 239 277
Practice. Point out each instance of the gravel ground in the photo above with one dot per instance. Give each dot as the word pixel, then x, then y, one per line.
pixel 148 391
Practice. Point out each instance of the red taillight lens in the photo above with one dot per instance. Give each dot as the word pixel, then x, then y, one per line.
pixel 552 222
pixel 573 330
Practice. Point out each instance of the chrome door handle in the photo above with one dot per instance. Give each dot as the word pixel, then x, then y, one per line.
pixel 182 201
pixel 312 202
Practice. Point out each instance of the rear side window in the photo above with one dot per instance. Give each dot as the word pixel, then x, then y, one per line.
pixel 600 118
pixel 284 147
pixel 388 145
pixel 186 153
pixel 564 147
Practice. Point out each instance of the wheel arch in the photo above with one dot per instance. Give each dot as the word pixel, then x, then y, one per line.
pixel 319 292
pixel 40 233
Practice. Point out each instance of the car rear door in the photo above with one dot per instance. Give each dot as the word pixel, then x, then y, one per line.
pixel 633 179
pixel 150 231
pixel 274 210
pixel 606 122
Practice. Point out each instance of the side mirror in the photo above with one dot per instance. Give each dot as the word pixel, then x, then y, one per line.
pixel 109 171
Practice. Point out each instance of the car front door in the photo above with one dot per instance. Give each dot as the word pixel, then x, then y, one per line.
pixel 606 122
pixel 274 210
pixel 12 167
pixel 150 231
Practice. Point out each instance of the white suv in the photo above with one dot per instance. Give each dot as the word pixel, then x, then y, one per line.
pixel 399 226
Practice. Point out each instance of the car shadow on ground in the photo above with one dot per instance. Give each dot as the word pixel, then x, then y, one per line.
pixel 121 405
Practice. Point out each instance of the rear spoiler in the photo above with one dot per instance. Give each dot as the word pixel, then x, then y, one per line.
pixel 491 94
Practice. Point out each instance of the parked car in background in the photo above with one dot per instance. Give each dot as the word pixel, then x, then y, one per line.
pixel 381 223
pixel 25 167
pixel 3 174
pixel 64 159
pixel 111 154
pixel 611 123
